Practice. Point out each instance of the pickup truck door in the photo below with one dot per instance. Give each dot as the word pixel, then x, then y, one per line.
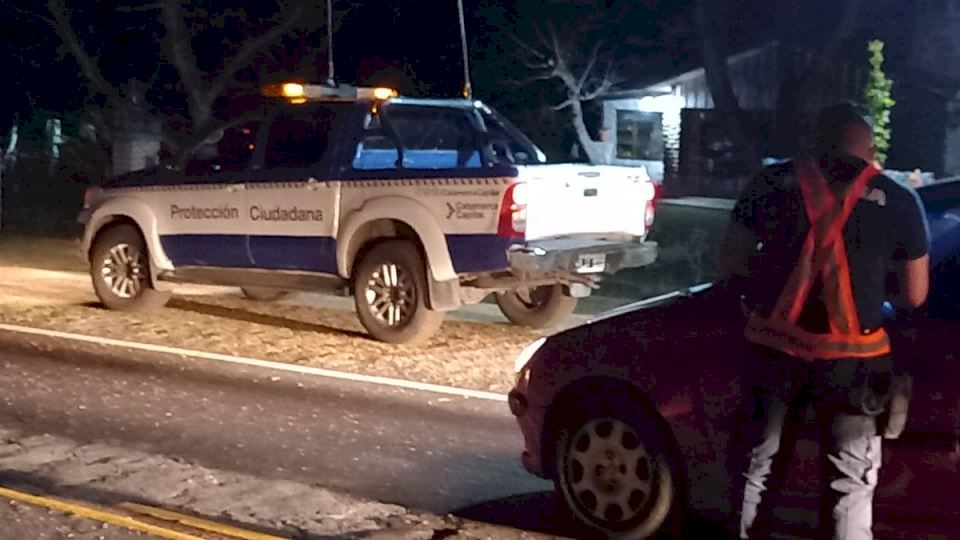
pixel 202 219
pixel 293 204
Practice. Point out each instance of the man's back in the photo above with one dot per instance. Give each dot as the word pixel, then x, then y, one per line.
pixel 886 226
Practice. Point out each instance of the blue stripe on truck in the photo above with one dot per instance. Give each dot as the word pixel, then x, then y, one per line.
pixel 469 252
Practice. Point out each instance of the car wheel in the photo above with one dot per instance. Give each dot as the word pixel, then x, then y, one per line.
pixel 263 294
pixel 540 307
pixel 616 473
pixel 120 268
pixel 390 287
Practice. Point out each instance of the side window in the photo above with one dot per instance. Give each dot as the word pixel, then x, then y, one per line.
pixel 300 138
pixel 434 137
pixel 506 148
pixel 230 148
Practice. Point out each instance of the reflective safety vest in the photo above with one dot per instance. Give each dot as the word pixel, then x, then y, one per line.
pixel 823 255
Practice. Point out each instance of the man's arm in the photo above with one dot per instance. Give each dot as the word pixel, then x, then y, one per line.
pixel 911 262
pixel 740 238
pixel 738 241
pixel 914 280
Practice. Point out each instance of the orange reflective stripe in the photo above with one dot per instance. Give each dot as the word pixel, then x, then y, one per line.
pixel 802 344
pixel 823 255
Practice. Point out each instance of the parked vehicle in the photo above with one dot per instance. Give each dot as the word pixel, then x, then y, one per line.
pixel 630 414
pixel 413 206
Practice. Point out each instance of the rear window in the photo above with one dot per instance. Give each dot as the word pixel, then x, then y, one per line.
pixel 300 138
pixel 431 138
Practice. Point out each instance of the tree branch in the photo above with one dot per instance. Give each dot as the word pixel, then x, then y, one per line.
pixel 251 47
pixel 47 20
pixel 591 61
pixel 531 50
pixel 563 105
pixel 87 64
pixel 183 57
pixel 148 7
pixel 528 80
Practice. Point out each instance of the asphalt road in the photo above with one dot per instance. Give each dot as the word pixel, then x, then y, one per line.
pixel 422 450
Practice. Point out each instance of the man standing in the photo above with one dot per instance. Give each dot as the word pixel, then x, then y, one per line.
pixel 809 249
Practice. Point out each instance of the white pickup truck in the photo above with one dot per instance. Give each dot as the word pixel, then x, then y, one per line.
pixel 413 206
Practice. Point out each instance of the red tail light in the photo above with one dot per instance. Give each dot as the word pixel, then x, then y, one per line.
pixel 648 215
pixel 513 212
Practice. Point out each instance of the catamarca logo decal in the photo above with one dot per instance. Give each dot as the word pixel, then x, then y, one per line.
pixel 469 210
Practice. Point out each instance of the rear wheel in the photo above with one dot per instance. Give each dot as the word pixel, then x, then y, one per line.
pixel 263 294
pixel 540 307
pixel 616 473
pixel 120 269
pixel 390 288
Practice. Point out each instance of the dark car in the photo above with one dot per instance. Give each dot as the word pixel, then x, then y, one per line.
pixel 630 414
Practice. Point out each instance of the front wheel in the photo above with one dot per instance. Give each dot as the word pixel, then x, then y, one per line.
pixel 120 268
pixel 540 307
pixel 616 474
pixel 390 288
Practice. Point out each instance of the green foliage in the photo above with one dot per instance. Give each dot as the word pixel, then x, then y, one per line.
pixel 879 100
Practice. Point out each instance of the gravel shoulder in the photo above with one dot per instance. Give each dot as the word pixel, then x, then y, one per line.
pixel 43 284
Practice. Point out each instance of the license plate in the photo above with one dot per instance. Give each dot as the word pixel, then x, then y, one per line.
pixel 591 263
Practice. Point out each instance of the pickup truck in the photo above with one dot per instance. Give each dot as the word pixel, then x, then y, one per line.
pixel 414 207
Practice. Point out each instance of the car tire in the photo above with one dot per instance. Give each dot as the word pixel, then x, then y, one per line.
pixel 390 288
pixel 120 269
pixel 544 307
pixel 263 294
pixel 617 470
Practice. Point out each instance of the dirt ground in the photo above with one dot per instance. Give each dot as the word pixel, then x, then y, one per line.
pixel 44 284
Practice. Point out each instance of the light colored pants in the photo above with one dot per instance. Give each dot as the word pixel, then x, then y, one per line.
pixel 777 393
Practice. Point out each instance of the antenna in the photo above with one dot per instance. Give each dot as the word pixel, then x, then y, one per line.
pixel 330 41
pixel 467 89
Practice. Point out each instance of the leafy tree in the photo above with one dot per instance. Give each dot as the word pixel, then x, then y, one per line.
pixel 879 100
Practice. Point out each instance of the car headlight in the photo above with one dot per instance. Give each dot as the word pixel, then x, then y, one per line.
pixel 526 354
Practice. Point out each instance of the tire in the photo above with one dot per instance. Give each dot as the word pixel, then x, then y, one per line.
pixel 641 468
pixel 263 294
pixel 120 269
pixel 398 313
pixel 545 306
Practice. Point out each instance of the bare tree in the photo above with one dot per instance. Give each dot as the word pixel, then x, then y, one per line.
pixel 202 87
pixel 583 79
pixel 579 53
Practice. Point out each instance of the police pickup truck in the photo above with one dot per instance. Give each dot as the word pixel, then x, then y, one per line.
pixel 413 206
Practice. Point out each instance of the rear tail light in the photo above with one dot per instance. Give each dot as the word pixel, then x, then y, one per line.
pixel 649 214
pixel 513 212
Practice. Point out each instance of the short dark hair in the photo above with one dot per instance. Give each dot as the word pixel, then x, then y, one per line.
pixel 833 122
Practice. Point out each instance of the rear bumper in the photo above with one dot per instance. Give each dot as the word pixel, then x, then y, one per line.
pixel 566 255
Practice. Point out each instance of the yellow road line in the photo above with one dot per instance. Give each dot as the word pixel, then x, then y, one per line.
pixel 96 515
pixel 197 523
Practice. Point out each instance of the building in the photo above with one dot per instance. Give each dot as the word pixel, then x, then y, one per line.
pixel 667 122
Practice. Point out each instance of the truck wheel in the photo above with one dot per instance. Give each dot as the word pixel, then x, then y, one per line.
pixel 263 294
pixel 390 288
pixel 541 307
pixel 120 268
